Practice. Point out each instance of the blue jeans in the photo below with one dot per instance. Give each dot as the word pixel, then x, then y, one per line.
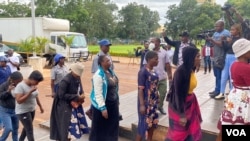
pixel 226 73
pixel 217 74
pixel 207 63
pixel 56 87
pixel 10 122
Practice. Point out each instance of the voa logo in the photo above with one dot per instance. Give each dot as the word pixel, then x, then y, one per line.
pixel 236 132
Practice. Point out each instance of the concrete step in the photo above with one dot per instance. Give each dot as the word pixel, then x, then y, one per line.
pixel 161 131
pixel 124 133
pixel 210 110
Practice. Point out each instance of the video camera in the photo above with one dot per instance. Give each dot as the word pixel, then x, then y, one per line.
pixel 226 7
pixel 206 33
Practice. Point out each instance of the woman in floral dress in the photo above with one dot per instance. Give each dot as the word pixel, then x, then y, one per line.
pixel 237 102
pixel 147 98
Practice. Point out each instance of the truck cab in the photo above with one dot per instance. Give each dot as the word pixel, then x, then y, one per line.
pixel 77 50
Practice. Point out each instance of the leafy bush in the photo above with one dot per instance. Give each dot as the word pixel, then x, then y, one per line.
pixel 31 44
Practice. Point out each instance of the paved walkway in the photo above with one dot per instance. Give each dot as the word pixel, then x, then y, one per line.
pixel 127 73
pixel 210 109
pixel 126 70
pixel 42 134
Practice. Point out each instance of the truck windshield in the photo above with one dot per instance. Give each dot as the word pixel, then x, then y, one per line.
pixel 79 41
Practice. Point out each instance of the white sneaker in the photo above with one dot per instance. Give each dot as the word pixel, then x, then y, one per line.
pixel 220 96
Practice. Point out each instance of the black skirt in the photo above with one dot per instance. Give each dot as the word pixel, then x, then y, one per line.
pixel 105 129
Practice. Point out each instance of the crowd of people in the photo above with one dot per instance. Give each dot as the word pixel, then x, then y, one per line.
pixel 227 53
pixel 18 99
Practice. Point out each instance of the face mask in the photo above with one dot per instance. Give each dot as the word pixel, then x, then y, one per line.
pixel 151 46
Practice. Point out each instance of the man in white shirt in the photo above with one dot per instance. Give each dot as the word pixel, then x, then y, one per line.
pixel 13 62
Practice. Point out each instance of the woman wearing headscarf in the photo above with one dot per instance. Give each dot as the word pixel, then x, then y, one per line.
pixel 105 101
pixel 58 71
pixel 148 98
pixel 7 106
pixel 67 120
pixel 237 102
pixel 183 109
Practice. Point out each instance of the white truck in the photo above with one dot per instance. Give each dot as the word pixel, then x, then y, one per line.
pixel 14 30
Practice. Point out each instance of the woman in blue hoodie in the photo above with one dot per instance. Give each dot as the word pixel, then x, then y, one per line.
pixel 105 101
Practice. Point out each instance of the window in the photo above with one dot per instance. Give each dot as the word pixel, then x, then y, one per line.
pixel 53 39
pixel 60 42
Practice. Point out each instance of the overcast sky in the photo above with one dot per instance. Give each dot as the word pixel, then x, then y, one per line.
pixel 159 5
pixel 156 5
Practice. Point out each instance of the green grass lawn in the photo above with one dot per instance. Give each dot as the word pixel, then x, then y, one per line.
pixel 117 50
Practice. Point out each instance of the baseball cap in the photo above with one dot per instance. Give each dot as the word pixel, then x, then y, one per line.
pixel 185 33
pixel 104 42
pixel 3 59
pixel 58 57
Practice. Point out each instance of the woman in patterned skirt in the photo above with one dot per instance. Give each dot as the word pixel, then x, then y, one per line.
pixel 183 107
pixel 68 121
pixel 147 98
pixel 237 102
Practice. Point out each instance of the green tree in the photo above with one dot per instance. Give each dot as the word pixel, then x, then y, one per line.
pixel 191 17
pixel 27 45
pixel 41 42
pixel 14 9
pixel 74 11
pixel 181 17
pixel 137 22
pixel 100 22
pixel 172 24
pixel 207 14
pixel 46 8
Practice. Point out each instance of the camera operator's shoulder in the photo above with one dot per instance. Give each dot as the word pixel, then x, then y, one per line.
pixel 227 32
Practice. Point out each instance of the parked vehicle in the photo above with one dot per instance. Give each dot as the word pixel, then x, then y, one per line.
pixel 14 30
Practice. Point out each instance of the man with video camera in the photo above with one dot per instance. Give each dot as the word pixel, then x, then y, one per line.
pixel 219 54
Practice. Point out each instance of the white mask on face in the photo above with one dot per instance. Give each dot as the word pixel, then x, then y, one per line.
pixel 151 46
